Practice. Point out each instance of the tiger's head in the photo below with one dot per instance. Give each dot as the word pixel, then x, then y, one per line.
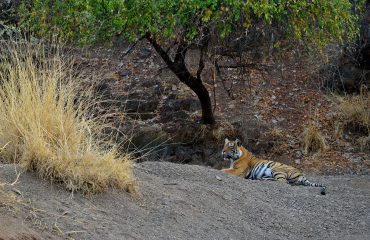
pixel 231 150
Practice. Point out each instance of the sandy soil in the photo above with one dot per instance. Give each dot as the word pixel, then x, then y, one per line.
pixel 190 202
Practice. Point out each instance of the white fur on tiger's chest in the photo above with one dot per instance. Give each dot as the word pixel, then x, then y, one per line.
pixel 231 164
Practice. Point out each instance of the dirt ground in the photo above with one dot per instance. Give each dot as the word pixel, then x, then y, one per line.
pixel 188 202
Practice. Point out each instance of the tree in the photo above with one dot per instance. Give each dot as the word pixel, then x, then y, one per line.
pixel 184 24
pixel 365 39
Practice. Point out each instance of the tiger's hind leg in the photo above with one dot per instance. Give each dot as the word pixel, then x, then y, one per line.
pixel 281 177
pixel 281 180
pixel 268 178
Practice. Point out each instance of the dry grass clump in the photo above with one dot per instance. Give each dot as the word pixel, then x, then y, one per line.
pixel 313 140
pixel 222 130
pixel 7 199
pixel 277 132
pixel 364 143
pixel 47 128
pixel 355 109
pixel 355 117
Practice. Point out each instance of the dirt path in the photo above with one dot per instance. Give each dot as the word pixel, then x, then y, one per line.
pixel 194 202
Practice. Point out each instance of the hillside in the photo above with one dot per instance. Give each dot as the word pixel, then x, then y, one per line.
pixel 269 106
pixel 189 202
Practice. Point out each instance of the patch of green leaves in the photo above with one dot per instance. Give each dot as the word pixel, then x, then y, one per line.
pixel 89 21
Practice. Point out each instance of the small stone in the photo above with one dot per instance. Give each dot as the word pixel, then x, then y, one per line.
pixel 357 159
pixel 258 116
pixel 124 73
pixel 331 114
pixel 173 88
pixel 297 161
pixel 218 178
pixel 347 155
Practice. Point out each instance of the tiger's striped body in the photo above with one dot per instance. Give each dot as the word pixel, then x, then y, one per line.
pixel 244 164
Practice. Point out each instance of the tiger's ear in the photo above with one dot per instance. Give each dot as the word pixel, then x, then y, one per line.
pixel 226 140
pixel 238 142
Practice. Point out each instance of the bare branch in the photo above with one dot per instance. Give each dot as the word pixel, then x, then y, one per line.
pixel 200 65
pixel 130 49
pixel 214 90
pixel 245 65
pixel 218 71
pixel 181 53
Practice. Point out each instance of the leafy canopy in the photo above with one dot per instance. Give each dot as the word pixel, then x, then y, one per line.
pixel 91 21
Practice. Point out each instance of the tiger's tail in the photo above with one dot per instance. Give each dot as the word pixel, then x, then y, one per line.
pixel 306 182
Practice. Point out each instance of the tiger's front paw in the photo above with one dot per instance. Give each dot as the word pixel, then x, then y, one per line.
pixel 230 171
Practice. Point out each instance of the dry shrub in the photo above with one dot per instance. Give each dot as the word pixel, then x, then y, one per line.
pixel 7 199
pixel 355 109
pixel 277 132
pixel 364 143
pixel 313 140
pixel 276 138
pixel 222 130
pixel 48 129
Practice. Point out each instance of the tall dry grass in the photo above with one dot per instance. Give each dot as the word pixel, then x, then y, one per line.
pixel 313 140
pixel 355 109
pixel 355 115
pixel 46 126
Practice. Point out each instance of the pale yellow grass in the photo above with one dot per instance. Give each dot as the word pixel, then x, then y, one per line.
pixel 355 108
pixel 46 131
pixel 313 140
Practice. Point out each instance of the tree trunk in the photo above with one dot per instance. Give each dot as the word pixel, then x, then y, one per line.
pixel 198 88
pixel 365 39
pixel 178 67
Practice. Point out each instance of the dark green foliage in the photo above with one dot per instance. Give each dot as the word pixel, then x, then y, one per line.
pixel 7 19
pixel 89 21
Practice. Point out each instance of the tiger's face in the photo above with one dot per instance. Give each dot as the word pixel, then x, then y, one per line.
pixel 231 150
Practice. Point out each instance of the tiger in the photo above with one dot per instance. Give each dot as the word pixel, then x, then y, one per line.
pixel 244 164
